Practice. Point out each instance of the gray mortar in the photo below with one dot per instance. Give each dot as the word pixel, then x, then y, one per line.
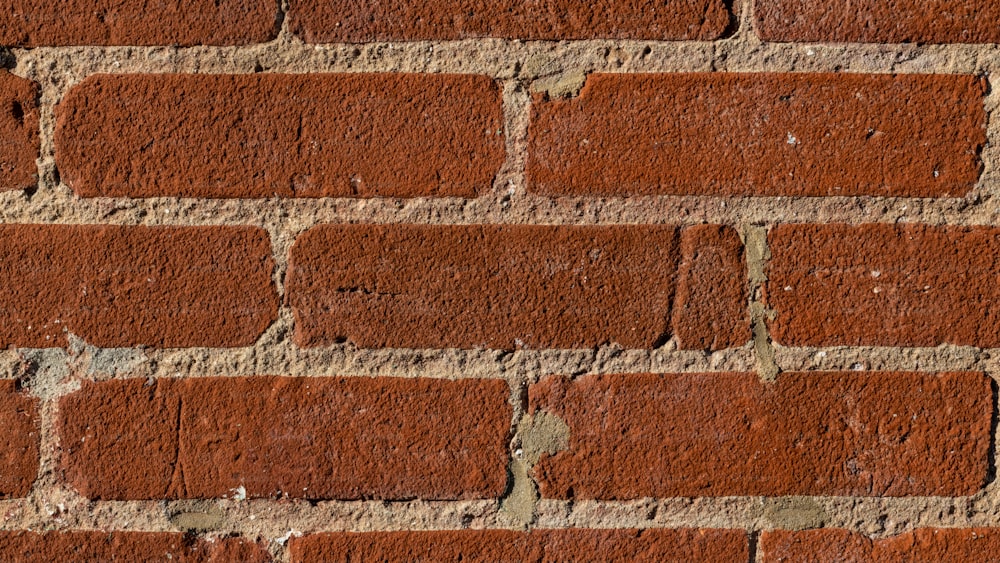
pixel 522 67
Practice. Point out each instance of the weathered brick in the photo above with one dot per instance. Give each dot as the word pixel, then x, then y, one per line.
pixel 29 23
pixel 884 285
pixel 877 21
pixel 125 546
pixel 710 308
pixel 760 134
pixel 19 441
pixel 124 286
pixel 313 438
pixel 324 21
pixel 266 135
pixel 19 131
pixel 420 286
pixel 654 545
pixel 941 545
pixel 822 433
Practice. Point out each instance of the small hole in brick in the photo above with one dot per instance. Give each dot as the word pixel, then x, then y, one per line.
pixel 17 110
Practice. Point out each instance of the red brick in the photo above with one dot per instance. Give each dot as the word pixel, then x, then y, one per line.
pixel 124 546
pixel 654 545
pixel 18 442
pixel 121 286
pixel 692 435
pixel 313 438
pixel 710 312
pixel 19 131
pixel 761 135
pixel 420 286
pixel 877 21
pixel 941 545
pixel 884 285
pixel 267 135
pixel 325 21
pixel 29 23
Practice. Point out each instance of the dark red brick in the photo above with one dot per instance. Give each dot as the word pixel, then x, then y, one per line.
pixel 312 438
pixel 941 545
pixel 19 131
pixel 126 286
pixel 724 434
pixel 124 546
pixel 19 441
pixel 325 21
pixel 877 21
pixel 653 545
pixel 30 23
pixel 760 134
pixel 293 135
pixel 710 311
pixel 884 285
pixel 506 287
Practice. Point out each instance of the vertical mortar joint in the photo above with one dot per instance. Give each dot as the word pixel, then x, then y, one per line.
pixel 758 254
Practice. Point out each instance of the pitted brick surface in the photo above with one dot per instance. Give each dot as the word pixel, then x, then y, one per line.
pixel 537 546
pixel 822 433
pixel 760 134
pixel 328 21
pixel 270 135
pixel 123 286
pixel 29 23
pixel 313 438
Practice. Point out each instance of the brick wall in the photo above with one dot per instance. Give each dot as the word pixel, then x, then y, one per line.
pixel 544 281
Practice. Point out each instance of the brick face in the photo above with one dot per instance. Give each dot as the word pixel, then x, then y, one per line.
pixel 268 135
pixel 951 545
pixel 125 546
pixel 19 441
pixel 537 546
pixel 825 433
pixel 312 438
pixel 709 310
pixel 117 286
pixel 19 131
pixel 884 285
pixel 511 287
pixel 760 134
pixel 875 21
pixel 327 21
pixel 28 23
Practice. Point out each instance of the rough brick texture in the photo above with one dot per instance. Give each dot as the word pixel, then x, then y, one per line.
pixel 952 545
pixel 18 442
pixel 506 287
pixel 654 545
pixel 29 23
pixel 19 132
pixel 125 546
pixel 266 135
pixel 313 438
pixel 884 285
pixel 826 433
pixel 118 286
pixel 324 21
pixel 710 303
pixel 760 134
pixel 877 21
